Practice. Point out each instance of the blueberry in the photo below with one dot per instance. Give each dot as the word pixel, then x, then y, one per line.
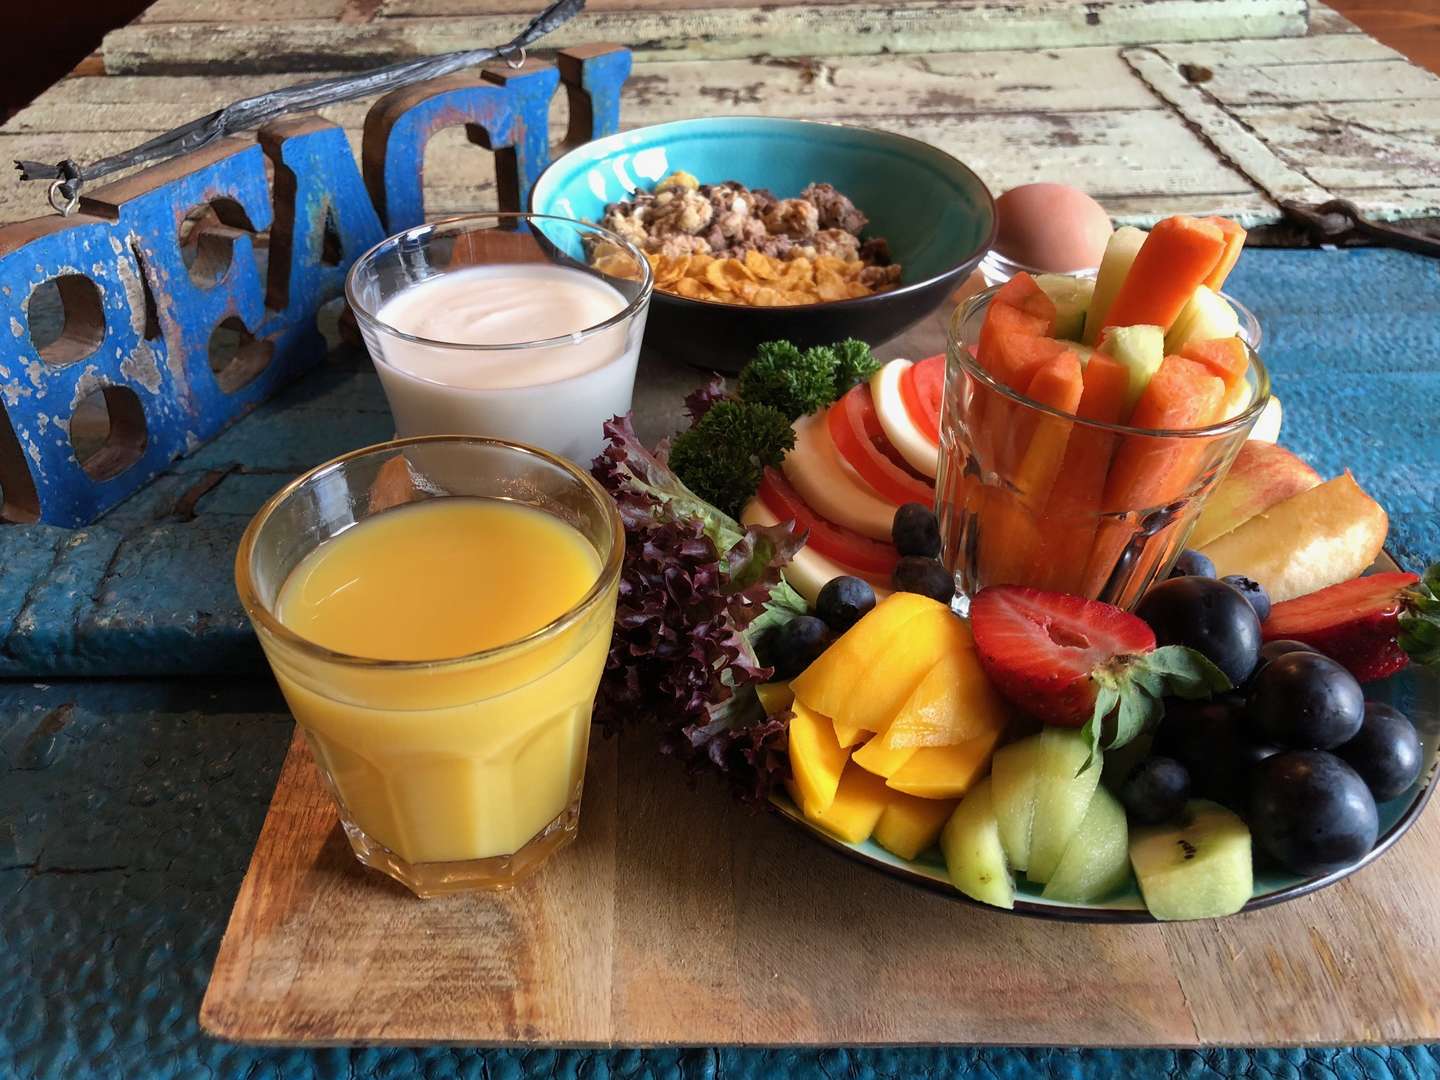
pixel 843 601
pixel 1190 563
pixel 927 577
pixel 1207 616
pixel 1156 791
pixel 1385 751
pixel 1306 701
pixel 1279 647
pixel 916 531
pixel 1312 812
pixel 793 646
pixel 1252 591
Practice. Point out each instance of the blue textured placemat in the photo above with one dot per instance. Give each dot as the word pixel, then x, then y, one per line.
pixel 1352 337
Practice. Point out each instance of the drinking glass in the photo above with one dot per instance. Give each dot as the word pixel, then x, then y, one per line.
pixel 449 774
pixel 1022 488
pixel 553 391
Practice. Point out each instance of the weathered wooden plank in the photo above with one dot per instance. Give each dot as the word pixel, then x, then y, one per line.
pixel 933 84
pixel 708 33
pixel 1326 20
pixel 1390 204
pixel 1348 145
pixel 1236 144
pixel 1272 52
pixel 1302 82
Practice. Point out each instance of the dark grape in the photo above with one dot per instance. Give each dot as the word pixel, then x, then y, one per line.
pixel 843 601
pixel 1312 812
pixel 793 646
pixel 916 531
pixel 1156 790
pixel 1306 701
pixel 927 577
pixel 1279 647
pixel 1190 563
pixel 1252 591
pixel 1385 751
pixel 1207 616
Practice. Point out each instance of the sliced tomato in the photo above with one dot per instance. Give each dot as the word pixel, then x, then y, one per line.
pixel 827 538
pixel 855 430
pixel 925 394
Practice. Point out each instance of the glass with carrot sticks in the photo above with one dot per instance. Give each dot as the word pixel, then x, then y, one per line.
pixel 1082 468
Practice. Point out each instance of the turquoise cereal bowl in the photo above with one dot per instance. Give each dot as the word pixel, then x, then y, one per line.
pixel 938 216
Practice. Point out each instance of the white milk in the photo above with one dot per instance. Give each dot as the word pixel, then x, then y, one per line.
pixel 555 397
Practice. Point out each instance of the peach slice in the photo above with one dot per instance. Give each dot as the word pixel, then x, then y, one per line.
pixel 1262 475
pixel 1328 534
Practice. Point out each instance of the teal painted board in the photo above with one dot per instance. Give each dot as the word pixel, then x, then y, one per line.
pixel 1352 339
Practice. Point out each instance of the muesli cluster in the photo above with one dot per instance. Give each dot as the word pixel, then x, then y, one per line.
pixel 730 244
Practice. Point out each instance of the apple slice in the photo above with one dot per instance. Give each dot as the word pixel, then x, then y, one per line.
pixel 829 486
pixel 1318 538
pixel 1071 296
pixel 919 452
pixel 1097 859
pixel 1262 475
pixel 809 571
pixel 1125 243
pixel 1142 350
pixel 974 858
pixel 1062 795
pixel 1206 317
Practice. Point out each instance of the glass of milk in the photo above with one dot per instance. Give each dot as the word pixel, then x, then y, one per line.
pixel 498 325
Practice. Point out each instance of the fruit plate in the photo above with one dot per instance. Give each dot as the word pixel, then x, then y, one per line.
pixel 1415 692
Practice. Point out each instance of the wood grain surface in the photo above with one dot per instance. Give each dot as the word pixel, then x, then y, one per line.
pixel 680 917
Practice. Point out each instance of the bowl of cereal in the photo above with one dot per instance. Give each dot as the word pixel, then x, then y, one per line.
pixel 760 228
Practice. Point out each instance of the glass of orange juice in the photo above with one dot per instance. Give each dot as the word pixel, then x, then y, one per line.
pixel 437 612
pixel 1028 495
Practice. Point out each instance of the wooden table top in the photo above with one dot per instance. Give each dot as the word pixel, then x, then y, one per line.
pixel 1123 98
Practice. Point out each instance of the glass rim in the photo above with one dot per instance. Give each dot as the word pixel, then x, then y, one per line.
pixel 1246 417
pixel 262 614
pixel 372 319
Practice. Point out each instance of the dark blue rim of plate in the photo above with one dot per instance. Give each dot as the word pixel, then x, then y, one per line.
pixel 971 258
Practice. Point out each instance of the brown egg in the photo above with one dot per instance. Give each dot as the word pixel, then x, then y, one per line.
pixel 1051 227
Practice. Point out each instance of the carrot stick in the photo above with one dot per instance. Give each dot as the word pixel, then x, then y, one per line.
pixel 1072 510
pixel 1022 292
pixel 1223 357
pixel 1035 449
pixel 1149 472
pixel 1234 243
pixel 1002 322
pixel 1178 255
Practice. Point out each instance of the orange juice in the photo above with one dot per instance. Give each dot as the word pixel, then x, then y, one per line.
pixel 461 753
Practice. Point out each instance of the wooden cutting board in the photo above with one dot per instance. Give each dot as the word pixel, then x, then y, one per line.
pixel 682 918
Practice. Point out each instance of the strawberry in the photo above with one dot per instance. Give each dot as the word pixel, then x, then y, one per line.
pixel 1373 625
pixel 1072 662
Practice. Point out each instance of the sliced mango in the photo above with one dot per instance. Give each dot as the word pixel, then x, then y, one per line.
pixel 850 735
pixel 826 684
pixel 774 697
pixel 816 759
pixel 882 760
pixel 856 809
pixel 910 825
pixel 892 674
pixel 946 772
pixel 952 704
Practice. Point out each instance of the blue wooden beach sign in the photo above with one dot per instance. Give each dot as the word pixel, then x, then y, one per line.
pixel 165 317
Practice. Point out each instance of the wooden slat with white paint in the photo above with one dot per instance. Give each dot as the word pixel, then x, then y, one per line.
pixel 664 32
